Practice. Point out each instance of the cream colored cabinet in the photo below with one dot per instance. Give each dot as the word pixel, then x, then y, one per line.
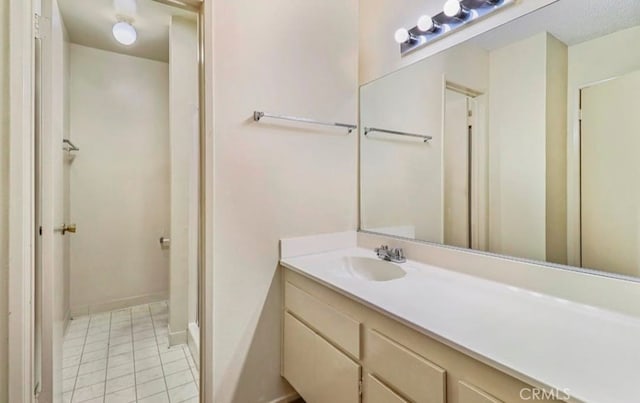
pixel 407 372
pixel 333 344
pixel 377 392
pixel 316 369
pixel 471 394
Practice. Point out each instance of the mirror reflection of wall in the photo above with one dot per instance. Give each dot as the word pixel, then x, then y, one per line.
pixel 533 133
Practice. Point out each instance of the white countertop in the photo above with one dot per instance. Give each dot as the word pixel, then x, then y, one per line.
pixel 592 353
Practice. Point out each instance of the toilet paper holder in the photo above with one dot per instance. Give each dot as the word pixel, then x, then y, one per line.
pixel 165 243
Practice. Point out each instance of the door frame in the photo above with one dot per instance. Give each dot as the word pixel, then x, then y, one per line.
pixel 22 31
pixel 478 164
pixel 21 200
pixel 574 175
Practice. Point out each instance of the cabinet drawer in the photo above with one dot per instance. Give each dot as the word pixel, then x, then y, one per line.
pixel 405 371
pixel 334 325
pixel 471 394
pixel 377 392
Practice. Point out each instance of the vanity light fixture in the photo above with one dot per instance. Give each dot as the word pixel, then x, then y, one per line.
pixel 402 35
pixel 124 33
pixel 453 8
pixel 455 14
pixel 426 24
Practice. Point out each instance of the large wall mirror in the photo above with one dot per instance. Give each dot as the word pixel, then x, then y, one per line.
pixel 523 141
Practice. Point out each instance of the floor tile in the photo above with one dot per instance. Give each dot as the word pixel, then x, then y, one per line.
pixel 70 372
pixel 116 372
pixel 179 378
pixel 72 351
pixel 92 366
pixel 124 356
pixel 150 388
pixel 148 362
pixel 89 356
pixel 120 340
pixel 89 392
pixel 146 352
pixel 68 384
pixel 96 345
pixel 120 349
pixel 149 374
pixel 120 359
pixel 91 379
pixel 176 366
pixel 172 356
pixel 123 382
pixel 95 400
pixel 121 396
pixel 71 361
pixel 182 393
pixel 73 342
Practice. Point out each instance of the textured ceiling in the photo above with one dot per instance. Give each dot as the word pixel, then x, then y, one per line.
pixel 89 23
pixel 571 21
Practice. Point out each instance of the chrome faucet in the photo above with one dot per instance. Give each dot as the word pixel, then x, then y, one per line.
pixel 395 255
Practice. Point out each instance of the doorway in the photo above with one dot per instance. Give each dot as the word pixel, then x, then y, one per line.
pixel 464 168
pixel 609 171
pixel 117 201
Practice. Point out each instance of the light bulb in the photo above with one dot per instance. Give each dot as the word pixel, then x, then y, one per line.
pixel 425 23
pixel 402 35
pixel 452 8
pixel 124 33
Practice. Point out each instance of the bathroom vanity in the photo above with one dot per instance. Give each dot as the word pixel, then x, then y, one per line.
pixel 355 330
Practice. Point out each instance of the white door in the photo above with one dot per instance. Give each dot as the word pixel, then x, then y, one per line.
pixel 50 277
pixel 610 168
pixel 456 163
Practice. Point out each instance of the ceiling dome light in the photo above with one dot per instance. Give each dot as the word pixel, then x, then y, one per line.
pixel 425 23
pixel 402 35
pixel 124 33
pixel 452 8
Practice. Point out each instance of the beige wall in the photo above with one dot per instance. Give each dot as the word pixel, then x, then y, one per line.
pixel 521 130
pixel 517 148
pixel 380 54
pixel 183 120
pixel 556 151
pixel 585 68
pixel 4 195
pixel 401 179
pixel 274 179
pixel 119 179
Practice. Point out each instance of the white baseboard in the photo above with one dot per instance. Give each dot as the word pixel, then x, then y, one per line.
pixel 179 337
pixel 193 341
pixel 122 303
pixel 287 398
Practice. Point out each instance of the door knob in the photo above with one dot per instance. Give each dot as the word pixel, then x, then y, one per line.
pixel 67 228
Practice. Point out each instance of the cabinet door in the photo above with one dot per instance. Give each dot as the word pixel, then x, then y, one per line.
pixel 337 376
pixel 318 371
pixel 298 358
pixel 377 392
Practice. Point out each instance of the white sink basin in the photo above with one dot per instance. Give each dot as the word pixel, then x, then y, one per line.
pixel 372 269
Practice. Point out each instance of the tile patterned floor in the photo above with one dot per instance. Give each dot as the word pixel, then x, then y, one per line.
pixel 124 356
